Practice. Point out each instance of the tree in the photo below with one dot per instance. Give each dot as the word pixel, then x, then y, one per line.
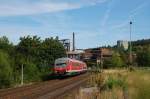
pixel 31 72
pixel 35 55
pixel 29 47
pixel 5 45
pixel 4 40
pixel 143 57
pixel 28 55
pixel 5 70
pixel 41 53
pixel 107 63
pixel 53 49
pixel 116 60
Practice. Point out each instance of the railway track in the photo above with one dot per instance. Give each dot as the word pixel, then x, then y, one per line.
pixel 45 90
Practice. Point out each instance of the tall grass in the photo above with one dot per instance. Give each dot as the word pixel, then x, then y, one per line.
pixel 96 80
pixel 118 85
pixel 110 85
pixel 122 85
pixel 139 84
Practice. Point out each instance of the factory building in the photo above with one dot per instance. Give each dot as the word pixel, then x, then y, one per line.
pixel 122 44
pixel 97 54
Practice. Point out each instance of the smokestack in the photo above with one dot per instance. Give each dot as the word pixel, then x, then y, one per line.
pixel 73 42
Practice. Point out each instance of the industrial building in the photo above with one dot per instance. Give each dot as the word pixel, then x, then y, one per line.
pixel 122 44
pixel 95 54
pixel 66 44
pixel 92 54
pixel 72 52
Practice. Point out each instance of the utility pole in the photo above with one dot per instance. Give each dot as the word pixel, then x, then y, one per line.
pixel 101 59
pixel 130 56
pixel 22 74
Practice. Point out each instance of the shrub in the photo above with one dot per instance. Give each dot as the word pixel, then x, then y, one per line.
pixel 5 70
pixel 97 79
pixel 115 82
pixel 31 72
pixel 131 69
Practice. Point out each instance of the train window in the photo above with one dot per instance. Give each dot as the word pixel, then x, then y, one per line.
pixel 75 64
pixel 61 64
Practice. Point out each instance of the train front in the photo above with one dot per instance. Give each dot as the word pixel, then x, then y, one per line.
pixel 60 66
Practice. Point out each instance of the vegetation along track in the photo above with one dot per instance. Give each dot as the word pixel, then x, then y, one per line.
pixel 45 90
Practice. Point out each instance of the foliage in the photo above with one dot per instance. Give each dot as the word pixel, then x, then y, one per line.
pixel 51 49
pixel 141 42
pixel 115 61
pixel 29 47
pixel 143 57
pixel 4 43
pixel 5 70
pixel 114 82
pixel 139 84
pixel 31 72
pixel 96 79
pixel 107 63
pixel 36 55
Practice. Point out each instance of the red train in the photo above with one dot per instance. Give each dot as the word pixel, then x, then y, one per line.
pixel 67 66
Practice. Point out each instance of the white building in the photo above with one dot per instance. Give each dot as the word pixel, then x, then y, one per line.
pixel 124 44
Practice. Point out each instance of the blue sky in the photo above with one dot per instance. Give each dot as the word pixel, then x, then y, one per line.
pixel 95 22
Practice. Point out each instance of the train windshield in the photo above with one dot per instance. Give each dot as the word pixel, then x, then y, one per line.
pixel 60 64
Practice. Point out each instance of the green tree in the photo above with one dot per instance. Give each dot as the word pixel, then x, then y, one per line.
pixel 18 61
pixel 6 46
pixel 29 47
pixel 143 57
pixel 116 60
pixel 31 72
pixel 41 53
pixel 5 70
pixel 107 63
pixel 37 57
pixel 51 50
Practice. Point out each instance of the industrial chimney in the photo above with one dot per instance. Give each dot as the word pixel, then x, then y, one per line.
pixel 73 42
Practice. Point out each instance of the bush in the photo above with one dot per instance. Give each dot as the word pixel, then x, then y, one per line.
pixel 131 69
pixel 5 70
pixel 36 55
pixel 31 72
pixel 96 79
pixel 114 82
pixel 110 82
pixel 115 61
pixel 107 64
pixel 143 57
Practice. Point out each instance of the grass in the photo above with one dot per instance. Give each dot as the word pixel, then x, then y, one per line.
pixel 119 84
pixel 111 84
pixel 139 84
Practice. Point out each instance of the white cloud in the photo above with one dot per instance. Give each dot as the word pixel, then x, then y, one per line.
pixel 132 13
pixel 135 11
pixel 39 6
pixel 121 25
pixel 34 8
pixel 107 13
pixel 106 17
pixel 94 2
